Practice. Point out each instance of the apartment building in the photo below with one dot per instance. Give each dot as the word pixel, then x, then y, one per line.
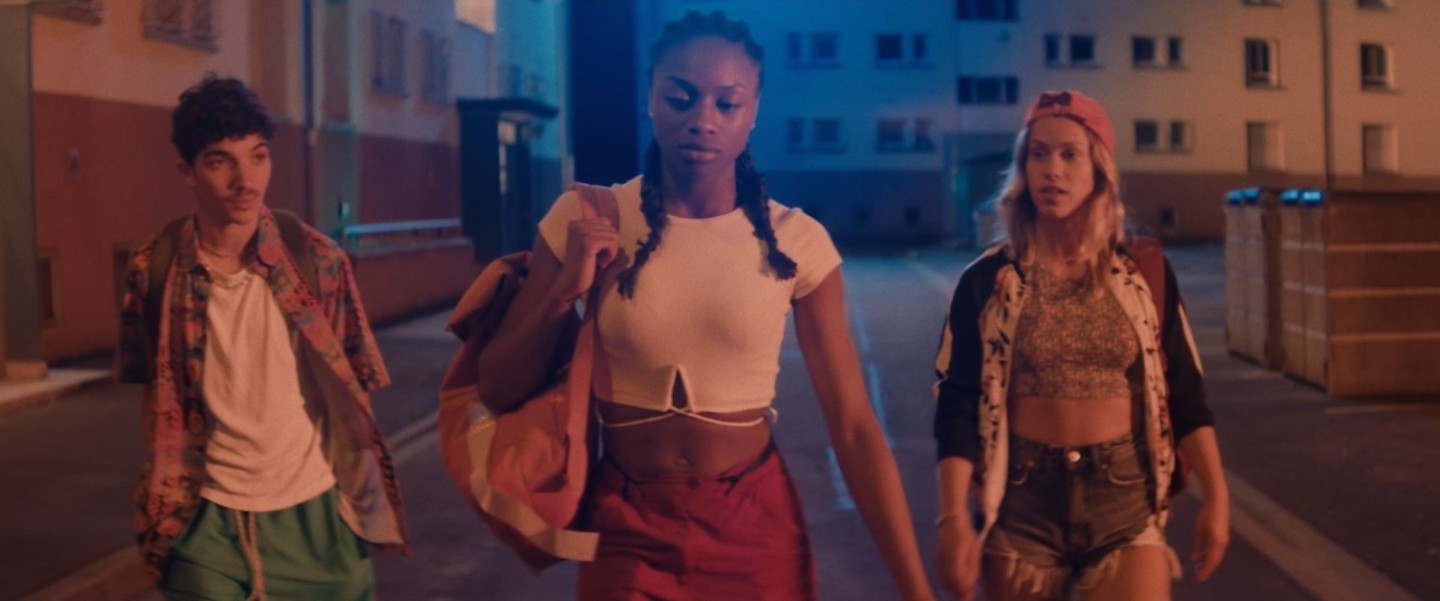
pixel 892 120
pixel 855 101
pixel 368 148
pixel 1209 96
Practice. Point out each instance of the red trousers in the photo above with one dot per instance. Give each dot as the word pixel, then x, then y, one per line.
pixel 738 536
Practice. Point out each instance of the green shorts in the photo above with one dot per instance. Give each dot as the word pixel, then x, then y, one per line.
pixel 306 552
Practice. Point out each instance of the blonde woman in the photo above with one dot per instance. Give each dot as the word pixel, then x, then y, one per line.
pixel 1067 383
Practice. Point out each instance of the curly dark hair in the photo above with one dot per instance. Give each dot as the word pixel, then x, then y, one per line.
pixel 217 109
pixel 749 182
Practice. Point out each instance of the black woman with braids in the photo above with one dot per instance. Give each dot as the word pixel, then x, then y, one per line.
pixel 692 500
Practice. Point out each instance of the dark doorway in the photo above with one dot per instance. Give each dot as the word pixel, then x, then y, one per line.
pixel 498 201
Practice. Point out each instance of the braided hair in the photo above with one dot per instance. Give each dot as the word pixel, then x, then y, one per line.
pixel 751 196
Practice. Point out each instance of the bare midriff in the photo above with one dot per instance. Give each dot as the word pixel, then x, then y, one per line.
pixel 680 444
pixel 1070 421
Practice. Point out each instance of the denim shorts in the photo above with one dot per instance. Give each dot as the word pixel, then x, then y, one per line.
pixel 1068 510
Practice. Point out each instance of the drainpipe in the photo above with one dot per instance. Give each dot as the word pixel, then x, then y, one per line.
pixel 307 89
pixel 1327 101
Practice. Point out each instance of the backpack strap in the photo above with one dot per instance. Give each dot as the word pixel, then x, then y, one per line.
pixel 1149 257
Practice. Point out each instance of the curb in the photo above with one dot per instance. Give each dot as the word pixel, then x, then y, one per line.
pixel 117 577
pixel 20 395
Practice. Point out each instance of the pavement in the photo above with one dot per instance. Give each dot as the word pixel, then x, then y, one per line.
pixel 1331 499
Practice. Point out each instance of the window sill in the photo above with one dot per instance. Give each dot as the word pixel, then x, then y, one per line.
pixel 1160 67
pixel 1273 87
pixel 181 39
pixel 1378 89
pixel 898 65
pixel 1078 66
pixel 815 149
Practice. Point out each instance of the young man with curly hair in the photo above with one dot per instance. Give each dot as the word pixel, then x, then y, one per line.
pixel 266 474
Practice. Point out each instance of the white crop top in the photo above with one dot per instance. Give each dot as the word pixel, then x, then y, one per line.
pixel 707 308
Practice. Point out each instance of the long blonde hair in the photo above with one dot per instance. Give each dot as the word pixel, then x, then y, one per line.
pixel 1103 211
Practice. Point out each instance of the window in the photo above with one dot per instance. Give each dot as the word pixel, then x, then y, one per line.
pixel 1261 69
pixel 185 22
pixel 890 49
pixel 1147 136
pixel 903 135
pixel 890 135
pixel 387 54
pixel 820 48
pixel 1379 148
pixel 1182 136
pixel 1052 49
pixel 920 49
pixel 825 48
pixel 1080 48
pixel 1178 136
pixel 1145 52
pixel 985 10
pixel 436 68
pixel 1142 51
pixel 1374 67
pixel 85 11
pixel 988 90
pixel 824 135
pixel 1263 146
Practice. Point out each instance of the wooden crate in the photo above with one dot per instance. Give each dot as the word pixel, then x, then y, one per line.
pixel 1253 322
pixel 1292 291
pixel 1237 280
pixel 1382 281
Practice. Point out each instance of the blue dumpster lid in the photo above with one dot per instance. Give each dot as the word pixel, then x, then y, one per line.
pixel 1302 196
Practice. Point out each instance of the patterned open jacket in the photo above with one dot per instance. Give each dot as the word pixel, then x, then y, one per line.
pixel 335 345
pixel 973 367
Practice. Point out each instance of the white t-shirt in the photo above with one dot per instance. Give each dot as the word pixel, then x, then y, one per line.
pixel 265 452
pixel 707 307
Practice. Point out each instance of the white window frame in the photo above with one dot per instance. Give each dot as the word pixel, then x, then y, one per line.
pixel 387 54
pixel 915 135
pixel 1376 67
pixel 801 135
pixel 1264 147
pixel 909 49
pixel 188 23
pixel 1379 149
pixel 1175 51
pixel 1009 95
pixel 1186 142
pixel 1141 146
pixel 1258 51
pixel 969 10
pixel 84 11
pixel 436 53
pixel 1064 46
pixel 1135 60
pixel 801 47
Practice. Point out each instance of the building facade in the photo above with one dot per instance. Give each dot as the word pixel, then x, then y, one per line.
pixel 893 120
pixel 368 146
